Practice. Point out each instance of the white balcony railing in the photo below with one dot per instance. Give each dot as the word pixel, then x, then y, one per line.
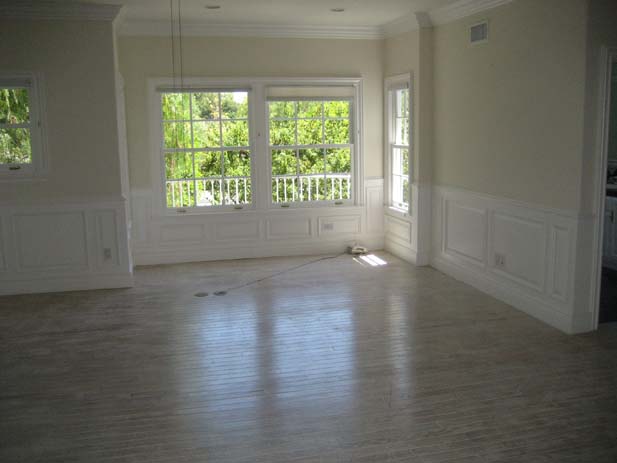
pixel 314 187
pixel 237 190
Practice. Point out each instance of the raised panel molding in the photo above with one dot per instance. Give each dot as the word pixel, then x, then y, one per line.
pixel 464 231
pixel 51 241
pixel 398 229
pixel 159 239
pixel 285 228
pixel 471 229
pixel 64 245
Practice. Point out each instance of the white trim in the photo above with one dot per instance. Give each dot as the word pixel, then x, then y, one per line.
pixel 408 22
pixel 538 245
pixel 55 10
pixel 463 9
pixel 608 55
pixel 161 28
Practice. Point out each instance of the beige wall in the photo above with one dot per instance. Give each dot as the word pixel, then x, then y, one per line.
pixel 144 57
pixel 77 64
pixel 400 53
pixel 509 113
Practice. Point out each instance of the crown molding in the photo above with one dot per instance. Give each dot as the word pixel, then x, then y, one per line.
pixel 457 10
pixel 462 9
pixel 55 10
pixel 409 22
pixel 162 28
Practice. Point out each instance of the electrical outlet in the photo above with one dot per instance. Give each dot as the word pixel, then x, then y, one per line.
pixel 500 260
pixel 107 253
pixel 328 226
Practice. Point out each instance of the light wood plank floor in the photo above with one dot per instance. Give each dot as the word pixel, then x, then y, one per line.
pixel 331 362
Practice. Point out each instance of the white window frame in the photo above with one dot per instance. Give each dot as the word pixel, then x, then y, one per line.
pixel 38 167
pixel 220 149
pixel 323 146
pixel 261 169
pixel 391 85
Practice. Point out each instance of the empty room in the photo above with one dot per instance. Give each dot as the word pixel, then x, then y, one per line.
pixel 308 231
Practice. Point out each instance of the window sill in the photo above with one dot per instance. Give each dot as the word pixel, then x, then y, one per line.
pixel 26 175
pixel 398 213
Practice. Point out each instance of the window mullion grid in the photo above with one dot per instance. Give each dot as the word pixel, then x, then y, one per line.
pixel 324 151
pixel 297 152
pixel 192 150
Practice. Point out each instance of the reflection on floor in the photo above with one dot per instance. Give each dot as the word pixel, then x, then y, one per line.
pixel 608 296
pixel 341 360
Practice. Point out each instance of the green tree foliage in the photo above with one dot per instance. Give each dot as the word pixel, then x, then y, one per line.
pixel 15 147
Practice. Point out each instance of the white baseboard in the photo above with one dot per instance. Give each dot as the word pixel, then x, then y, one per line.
pixel 69 283
pixel 64 245
pixel 522 254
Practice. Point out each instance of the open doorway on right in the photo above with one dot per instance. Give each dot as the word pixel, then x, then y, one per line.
pixel 608 289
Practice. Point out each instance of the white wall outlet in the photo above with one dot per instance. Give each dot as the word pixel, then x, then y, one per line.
pixel 107 253
pixel 500 260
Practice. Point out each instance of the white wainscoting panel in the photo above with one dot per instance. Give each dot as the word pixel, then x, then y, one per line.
pixel 254 232
pixel 521 253
pixel 64 245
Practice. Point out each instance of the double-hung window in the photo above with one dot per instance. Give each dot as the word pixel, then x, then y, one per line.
pixel 206 148
pixel 399 135
pixel 311 150
pixel 21 146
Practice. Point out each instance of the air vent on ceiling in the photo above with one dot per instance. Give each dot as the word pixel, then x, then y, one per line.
pixel 478 33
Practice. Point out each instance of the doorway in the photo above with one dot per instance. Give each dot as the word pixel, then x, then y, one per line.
pixel 608 283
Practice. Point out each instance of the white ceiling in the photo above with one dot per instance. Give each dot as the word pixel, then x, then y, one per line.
pixel 279 12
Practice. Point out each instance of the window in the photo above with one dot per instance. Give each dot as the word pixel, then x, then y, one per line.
pixel 20 126
pixel 311 150
pixel 206 148
pixel 399 146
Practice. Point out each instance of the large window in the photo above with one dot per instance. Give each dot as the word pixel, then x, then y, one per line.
pixel 311 150
pixel 206 148
pixel 20 125
pixel 399 146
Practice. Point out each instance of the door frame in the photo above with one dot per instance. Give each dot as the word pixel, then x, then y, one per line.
pixel 608 56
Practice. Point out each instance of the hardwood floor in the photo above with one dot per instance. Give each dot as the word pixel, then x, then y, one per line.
pixel 335 361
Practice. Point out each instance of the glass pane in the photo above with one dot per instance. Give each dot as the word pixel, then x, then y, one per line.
pixel 284 189
pixel 402 103
pixel 309 109
pixel 337 108
pixel 401 131
pixel 14 106
pixel 237 191
pixel 338 161
pixel 284 162
pixel 311 188
pixel 311 161
pixel 309 132
pixel 282 109
pixel 177 134
pixel 234 105
pixel 235 133
pixel 180 193
pixel 176 106
pixel 237 163
pixel 15 146
pixel 338 186
pixel 209 192
pixel 178 165
pixel 397 189
pixel 397 161
pixel 206 134
pixel 208 164
pixel 405 161
pixel 282 132
pixel 406 191
pixel 206 105
pixel 337 131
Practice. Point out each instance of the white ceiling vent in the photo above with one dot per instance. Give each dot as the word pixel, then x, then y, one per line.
pixel 478 33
